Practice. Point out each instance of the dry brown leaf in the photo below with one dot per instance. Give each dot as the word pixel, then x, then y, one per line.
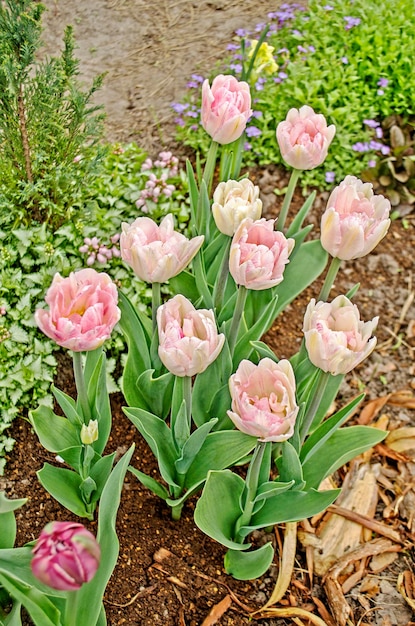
pixel 402 440
pixel 372 410
pixel 406 587
pixel 217 611
pixel 381 561
pixel 338 535
pixel 292 612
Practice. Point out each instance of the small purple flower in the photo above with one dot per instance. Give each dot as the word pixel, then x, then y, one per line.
pixel 385 149
pixel 379 132
pixel 328 7
pixel 178 107
pixel 301 49
pixel 253 131
pixel 232 47
pixel 344 60
pixel 380 92
pixel 383 82
pixel 361 146
pixel 241 32
pixel 198 78
pixel 191 114
pixel 371 163
pixel 311 49
pixel 330 177
pixel 236 67
pixel 256 114
pixel 297 33
pixel 192 84
pixel 371 123
pixel 179 121
pixel 247 146
pixel 351 21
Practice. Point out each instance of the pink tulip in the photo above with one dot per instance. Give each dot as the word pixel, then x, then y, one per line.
pixel 188 338
pixel 304 138
pixel 335 337
pixel 355 220
pixel 258 254
pixel 263 399
pixel 157 253
pixel 82 310
pixel 66 555
pixel 226 108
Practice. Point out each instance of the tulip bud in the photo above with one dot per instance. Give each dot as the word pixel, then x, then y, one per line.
pixel 258 254
pixel 263 399
pixel 66 555
pixel 226 108
pixel 188 337
pixel 304 138
pixel 157 253
pixel 335 337
pixel 82 310
pixel 89 433
pixel 233 201
pixel 355 220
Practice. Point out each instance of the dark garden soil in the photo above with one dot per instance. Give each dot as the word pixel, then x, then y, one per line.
pixel 168 572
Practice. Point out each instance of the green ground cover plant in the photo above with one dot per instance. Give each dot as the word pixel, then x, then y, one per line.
pixel 350 61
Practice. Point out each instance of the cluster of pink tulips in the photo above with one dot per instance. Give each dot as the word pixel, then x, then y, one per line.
pixel 200 385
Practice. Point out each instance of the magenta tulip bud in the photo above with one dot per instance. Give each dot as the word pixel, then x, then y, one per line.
pixel 82 310
pixel 355 220
pixel 157 253
pixel 233 201
pixel 188 337
pixel 335 337
pixel 226 108
pixel 258 254
pixel 304 138
pixel 66 556
pixel 263 399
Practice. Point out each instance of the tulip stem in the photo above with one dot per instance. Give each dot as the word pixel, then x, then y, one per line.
pixel 187 396
pixel 155 302
pixel 251 488
pixel 210 165
pixel 316 398
pixel 81 389
pixel 237 316
pixel 219 289
pixel 287 200
pixel 71 609
pixel 329 280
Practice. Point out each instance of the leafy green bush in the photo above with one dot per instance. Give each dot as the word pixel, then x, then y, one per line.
pixel 351 61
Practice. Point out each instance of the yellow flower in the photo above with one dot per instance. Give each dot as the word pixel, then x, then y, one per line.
pixel 264 60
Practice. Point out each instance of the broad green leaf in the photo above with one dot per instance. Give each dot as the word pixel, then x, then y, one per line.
pixel 218 508
pixel 317 440
pixel 247 565
pixel 68 406
pixel 13 617
pixel 73 456
pixel 271 489
pixel 40 608
pixel 215 378
pixel 243 346
pixel 55 432
pixel 221 449
pixel 156 392
pixel 98 398
pixel 289 466
pixel 340 448
pixel 150 483
pixel 185 283
pixel 298 220
pixel 264 351
pixel 64 486
pixel 8 520
pixel 159 437
pixel 100 472
pixel 290 506
pixel 192 446
pixel 89 601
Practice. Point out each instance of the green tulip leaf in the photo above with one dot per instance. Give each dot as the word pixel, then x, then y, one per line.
pixel 55 432
pixel 340 448
pixel 100 472
pixel 151 483
pixel 98 398
pixel 218 508
pixel 40 608
pixel 289 466
pixel 317 440
pixel 250 564
pixel 8 520
pixel 64 486
pixel 156 392
pixel 89 594
pixel 160 439
pixel 221 449
pixel 254 332
pixel 298 220
pixel 271 489
pixel 192 446
pixel 290 506
pixel 68 406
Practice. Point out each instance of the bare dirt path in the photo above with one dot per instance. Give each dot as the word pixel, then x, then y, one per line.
pixel 148 51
